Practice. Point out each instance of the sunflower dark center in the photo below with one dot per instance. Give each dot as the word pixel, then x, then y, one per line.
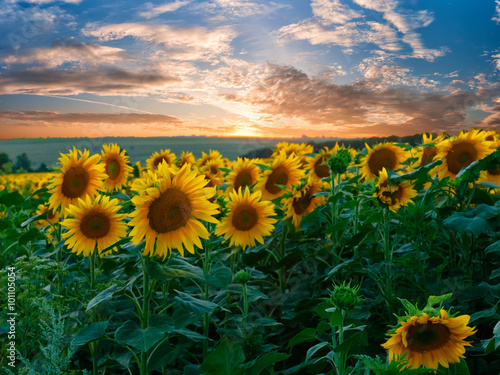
pixel 214 169
pixel 320 169
pixel 394 196
pixel 170 211
pixel 428 155
pixel 382 158
pixel 113 169
pixel 301 204
pixel 95 225
pixel 278 177
pixel 245 217
pixel 243 178
pixel 427 337
pixel 495 172
pixel 75 182
pixel 460 156
pixel 159 160
pixel 50 214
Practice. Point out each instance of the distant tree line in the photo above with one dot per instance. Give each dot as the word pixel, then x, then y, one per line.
pixel 22 164
pixel 358 144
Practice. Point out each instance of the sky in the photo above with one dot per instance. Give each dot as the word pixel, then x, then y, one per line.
pixel 333 68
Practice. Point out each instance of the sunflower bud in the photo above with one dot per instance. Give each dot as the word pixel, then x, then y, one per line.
pixel 345 297
pixel 339 162
pixel 242 277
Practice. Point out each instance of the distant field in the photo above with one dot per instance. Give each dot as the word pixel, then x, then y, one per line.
pixel 139 149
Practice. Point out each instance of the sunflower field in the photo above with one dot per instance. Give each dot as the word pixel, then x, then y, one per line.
pixel 384 260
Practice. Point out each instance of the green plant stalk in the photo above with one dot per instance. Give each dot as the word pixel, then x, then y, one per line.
pixel 245 309
pixel 145 315
pixel 206 318
pixel 387 257
pixel 339 358
pixel 282 270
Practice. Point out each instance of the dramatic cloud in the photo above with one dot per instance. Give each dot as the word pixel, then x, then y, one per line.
pixel 230 9
pixel 193 43
pixel 160 9
pixel 73 82
pixel 362 105
pixel 67 51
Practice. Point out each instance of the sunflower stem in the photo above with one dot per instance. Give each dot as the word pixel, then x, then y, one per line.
pixel 146 298
pixel 387 256
pixel 282 270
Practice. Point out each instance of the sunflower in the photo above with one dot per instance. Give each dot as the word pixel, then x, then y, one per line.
pixel 116 167
pixel 429 152
pixel 80 177
pixel 212 155
pixel 212 167
pixel 284 171
pixel 303 201
pixel 382 155
pixel 168 212
pixel 492 136
pixel 394 196
pixel 52 216
pixel 244 173
pixel 186 158
pixel 318 166
pixel 459 152
pixel 158 157
pixel 428 341
pixel 248 219
pixel 96 223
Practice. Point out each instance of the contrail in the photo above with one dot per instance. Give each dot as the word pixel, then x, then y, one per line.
pixel 102 103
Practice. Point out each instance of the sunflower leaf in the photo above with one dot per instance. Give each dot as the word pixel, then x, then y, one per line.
pixel 410 308
pixel 33 218
pixel 89 333
pixel 141 339
pixel 471 172
pixel 105 295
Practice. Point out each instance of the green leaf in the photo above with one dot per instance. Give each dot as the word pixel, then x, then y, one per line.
pixel 412 309
pixel 219 277
pixel 103 296
pixel 11 199
pixel 141 339
pixel 471 172
pixel 353 340
pixel 194 304
pixel 181 270
pixel 495 274
pixel 164 355
pixel 488 313
pixel 39 191
pixel 225 359
pixel 493 248
pixel 33 218
pixel 435 300
pixel 89 333
pixel 306 335
pixel 164 323
pixel 459 368
pixel 121 196
pixel 264 362
pixel 117 244
pixel 192 335
pixel 482 219
pixel 312 351
pixel 28 236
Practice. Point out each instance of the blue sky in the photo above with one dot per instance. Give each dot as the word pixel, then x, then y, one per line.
pixel 346 68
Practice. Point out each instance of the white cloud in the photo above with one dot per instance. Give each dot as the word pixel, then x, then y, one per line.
pixel 191 44
pixel 332 11
pixel 496 16
pixel 153 11
pixel 43 2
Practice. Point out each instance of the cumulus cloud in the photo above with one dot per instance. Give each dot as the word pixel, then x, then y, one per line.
pixel 153 11
pixel 101 81
pixel 230 9
pixel 192 43
pixel 66 51
pixel 359 107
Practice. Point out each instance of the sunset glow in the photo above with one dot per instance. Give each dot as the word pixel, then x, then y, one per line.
pixel 334 68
